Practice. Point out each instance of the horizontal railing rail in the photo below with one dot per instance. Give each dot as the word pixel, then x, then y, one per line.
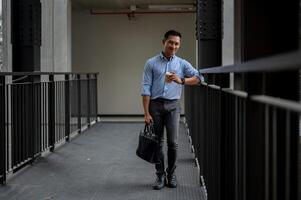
pixel 40 110
pixel 282 62
pixel 246 143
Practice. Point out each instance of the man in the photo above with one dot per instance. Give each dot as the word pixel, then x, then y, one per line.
pixel 163 78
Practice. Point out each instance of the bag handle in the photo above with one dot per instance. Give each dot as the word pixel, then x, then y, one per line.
pixel 149 128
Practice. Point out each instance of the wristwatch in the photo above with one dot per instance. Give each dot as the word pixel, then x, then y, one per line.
pixel 183 81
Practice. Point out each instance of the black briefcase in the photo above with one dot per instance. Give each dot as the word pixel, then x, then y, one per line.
pixel 148 144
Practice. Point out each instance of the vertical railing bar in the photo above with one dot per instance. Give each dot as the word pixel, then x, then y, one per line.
pixel 208 170
pixel 236 132
pixel 267 153
pixel 39 128
pixel 16 144
pixel 34 122
pixel 91 98
pixel 96 96
pixel 56 111
pixel 19 124
pixel 36 133
pixel 63 110
pixel 218 131
pixel 211 141
pixel 88 100
pixel 9 120
pixel 241 146
pixel 79 123
pixel 32 130
pixel 244 189
pixel 19 120
pixel 59 108
pixel 206 138
pixel 233 145
pixel 59 114
pixel 215 142
pixel 38 118
pixel 62 128
pixel 67 107
pixel 22 124
pixel 13 122
pixel 288 155
pixel 7 123
pixel 47 100
pixel 24 133
pixel 2 132
pixel 39 112
pixel 274 154
pixel 51 112
pixel 57 136
pixel 42 116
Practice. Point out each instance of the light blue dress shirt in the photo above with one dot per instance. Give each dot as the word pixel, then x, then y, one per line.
pixel 153 81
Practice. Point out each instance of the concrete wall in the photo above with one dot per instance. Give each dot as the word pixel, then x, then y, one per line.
pixel 118 48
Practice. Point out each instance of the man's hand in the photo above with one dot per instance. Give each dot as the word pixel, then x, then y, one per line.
pixel 174 77
pixel 148 119
pixel 188 81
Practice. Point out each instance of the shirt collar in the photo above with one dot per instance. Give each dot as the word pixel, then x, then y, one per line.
pixel 164 58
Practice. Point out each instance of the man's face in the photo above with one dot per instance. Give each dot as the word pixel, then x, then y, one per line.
pixel 171 45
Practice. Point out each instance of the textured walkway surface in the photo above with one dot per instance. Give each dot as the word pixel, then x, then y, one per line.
pixel 101 164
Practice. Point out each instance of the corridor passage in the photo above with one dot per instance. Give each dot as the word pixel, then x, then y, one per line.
pixel 100 164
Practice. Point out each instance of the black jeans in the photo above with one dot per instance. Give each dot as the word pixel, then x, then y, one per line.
pixel 166 113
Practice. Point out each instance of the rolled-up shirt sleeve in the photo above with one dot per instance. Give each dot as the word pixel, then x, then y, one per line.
pixel 190 71
pixel 147 80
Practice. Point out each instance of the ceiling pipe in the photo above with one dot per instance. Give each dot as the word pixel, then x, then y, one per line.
pixel 92 12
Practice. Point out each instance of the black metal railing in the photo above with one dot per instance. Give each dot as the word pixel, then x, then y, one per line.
pixel 39 110
pixel 246 144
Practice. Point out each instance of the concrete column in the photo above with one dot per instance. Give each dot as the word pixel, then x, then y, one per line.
pixel 228 36
pixel 47 57
pixel 6 33
pixel 26 35
pixel 56 36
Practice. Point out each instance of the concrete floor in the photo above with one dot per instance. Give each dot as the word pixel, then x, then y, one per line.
pixel 100 164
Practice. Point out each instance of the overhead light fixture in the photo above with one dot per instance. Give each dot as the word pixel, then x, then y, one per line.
pixel 133 8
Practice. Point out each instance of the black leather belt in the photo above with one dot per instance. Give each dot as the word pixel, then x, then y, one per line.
pixel 164 100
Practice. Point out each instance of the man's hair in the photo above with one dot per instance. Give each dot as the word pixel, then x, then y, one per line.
pixel 173 33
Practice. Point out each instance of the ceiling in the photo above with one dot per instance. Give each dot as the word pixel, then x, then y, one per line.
pixel 123 4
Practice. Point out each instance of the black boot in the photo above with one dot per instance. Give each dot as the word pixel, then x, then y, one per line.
pixel 172 180
pixel 160 182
